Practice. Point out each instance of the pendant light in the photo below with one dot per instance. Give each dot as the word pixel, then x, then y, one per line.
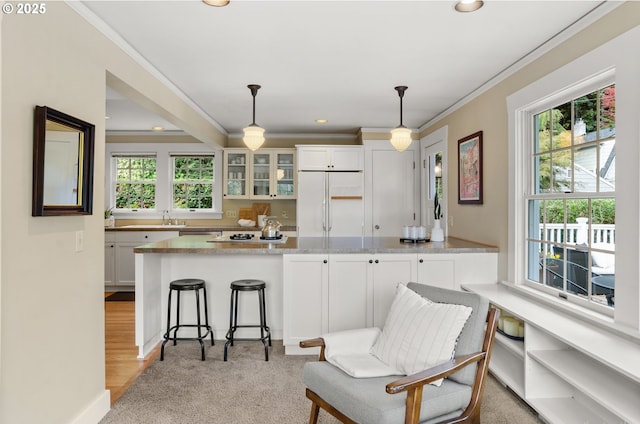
pixel 253 134
pixel 216 3
pixel 401 135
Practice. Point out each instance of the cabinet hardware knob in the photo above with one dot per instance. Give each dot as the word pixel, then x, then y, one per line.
pixel 146 236
pixel 377 261
pixel 421 260
pixel 377 227
pixel 324 261
pixel 370 261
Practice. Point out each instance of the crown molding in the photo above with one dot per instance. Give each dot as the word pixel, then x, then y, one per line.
pixel 602 9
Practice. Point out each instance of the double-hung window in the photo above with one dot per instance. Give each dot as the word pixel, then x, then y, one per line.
pixel 149 180
pixel 135 182
pixel 192 182
pixel 570 201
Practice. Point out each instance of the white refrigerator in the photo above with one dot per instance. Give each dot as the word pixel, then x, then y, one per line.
pixel 330 204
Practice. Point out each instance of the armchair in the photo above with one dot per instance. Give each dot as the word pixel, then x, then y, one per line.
pixel 379 400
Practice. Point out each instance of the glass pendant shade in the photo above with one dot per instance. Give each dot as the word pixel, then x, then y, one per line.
pixel 400 138
pixel 253 137
pixel 216 3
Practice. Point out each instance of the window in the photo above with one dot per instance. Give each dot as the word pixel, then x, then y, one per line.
pixel 146 179
pixel 570 201
pixel 135 186
pixel 193 181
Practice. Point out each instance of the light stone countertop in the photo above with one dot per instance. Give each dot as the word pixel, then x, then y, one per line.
pixel 203 244
pixel 192 229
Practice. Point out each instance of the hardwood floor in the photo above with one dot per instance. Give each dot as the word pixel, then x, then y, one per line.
pixel 121 365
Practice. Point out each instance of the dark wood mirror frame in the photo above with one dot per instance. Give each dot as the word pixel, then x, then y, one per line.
pixel 84 204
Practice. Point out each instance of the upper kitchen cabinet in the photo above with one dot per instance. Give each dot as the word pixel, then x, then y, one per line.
pixel 330 158
pixel 391 189
pixel 264 174
pixel 236 173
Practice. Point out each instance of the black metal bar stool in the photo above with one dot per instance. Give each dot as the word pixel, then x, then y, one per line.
pixel 187 284
pixel 265 335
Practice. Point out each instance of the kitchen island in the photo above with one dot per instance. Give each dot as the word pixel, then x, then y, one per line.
pixel 361 272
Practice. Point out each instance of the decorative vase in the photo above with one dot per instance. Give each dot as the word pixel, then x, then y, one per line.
pixel 436 233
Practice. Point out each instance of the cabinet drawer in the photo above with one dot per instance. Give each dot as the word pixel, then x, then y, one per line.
pixel 144 237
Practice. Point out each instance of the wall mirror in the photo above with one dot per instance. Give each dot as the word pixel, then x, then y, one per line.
pixel 63 148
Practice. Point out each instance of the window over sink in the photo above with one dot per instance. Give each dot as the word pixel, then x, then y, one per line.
pixel 145 179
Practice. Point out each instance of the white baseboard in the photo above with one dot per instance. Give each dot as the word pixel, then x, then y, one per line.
pixel 96 411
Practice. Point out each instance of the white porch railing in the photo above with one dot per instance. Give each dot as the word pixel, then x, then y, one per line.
pixel 600 233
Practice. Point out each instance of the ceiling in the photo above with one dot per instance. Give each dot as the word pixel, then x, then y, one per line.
pixel 335 60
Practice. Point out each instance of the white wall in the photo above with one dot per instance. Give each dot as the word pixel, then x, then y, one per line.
pixel 51 305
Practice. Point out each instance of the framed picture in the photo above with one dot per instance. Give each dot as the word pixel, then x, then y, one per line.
pixel 470 169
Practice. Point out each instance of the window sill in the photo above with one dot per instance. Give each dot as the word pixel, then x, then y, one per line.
pixel 575 310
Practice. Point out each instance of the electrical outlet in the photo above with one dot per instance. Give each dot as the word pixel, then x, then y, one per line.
pixel 79 241
pixel 232 214
pixel 285 214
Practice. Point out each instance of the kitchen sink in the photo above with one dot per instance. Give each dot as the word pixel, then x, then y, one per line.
pixel 143 226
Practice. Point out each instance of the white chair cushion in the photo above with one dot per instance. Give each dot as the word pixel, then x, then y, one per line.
pixel 349 351
pixel 604 262
pixel 419 333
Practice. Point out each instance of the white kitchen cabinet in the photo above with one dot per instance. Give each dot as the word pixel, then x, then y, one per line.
pixel 450 271
pixel 109 258
pixel 305 292
pixel 330 158
pixel 119 256
pixel 567 369
pixel 273 174
pixel 326 293
pixel 236 173
pixel 391 189
pixel 350 291
pixel 264 174
pixel 389 270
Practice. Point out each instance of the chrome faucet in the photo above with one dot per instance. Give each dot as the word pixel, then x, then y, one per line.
pixel 165 213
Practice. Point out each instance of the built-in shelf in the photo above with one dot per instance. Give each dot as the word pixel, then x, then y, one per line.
pixel 612 392
pixel 568 370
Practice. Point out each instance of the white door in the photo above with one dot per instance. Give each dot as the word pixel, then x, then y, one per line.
pixel 393 191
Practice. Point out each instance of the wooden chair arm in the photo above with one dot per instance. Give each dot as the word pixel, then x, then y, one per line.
pixel 434 373
pixel 317 342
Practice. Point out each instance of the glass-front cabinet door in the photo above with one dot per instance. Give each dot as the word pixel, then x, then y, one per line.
pixel 236 173
pixel 285 175
pixel 261 177
pixel 264 174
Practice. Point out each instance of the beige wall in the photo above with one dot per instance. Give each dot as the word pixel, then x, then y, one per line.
pixel 51 308
pixel 487 223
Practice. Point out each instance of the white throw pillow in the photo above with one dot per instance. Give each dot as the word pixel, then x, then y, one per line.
pixel 419 333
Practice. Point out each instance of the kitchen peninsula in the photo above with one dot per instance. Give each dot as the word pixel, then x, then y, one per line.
pixel 314 284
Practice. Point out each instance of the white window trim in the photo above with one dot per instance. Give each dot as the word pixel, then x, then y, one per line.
pixel 610 59
pixel 163 152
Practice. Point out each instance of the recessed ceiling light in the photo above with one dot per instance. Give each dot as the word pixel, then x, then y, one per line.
pixel 469 5
pixel 321 121
pixel 216 3
pixel 157 128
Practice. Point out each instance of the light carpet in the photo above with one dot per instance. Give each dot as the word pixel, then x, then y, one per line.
pixel 247 389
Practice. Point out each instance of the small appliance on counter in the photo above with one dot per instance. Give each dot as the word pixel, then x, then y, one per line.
pixel 414 234
pixel 271 229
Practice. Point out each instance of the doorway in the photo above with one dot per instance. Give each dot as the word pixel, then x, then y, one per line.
pixel 433 151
